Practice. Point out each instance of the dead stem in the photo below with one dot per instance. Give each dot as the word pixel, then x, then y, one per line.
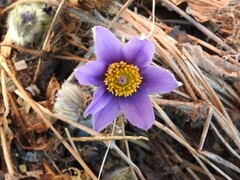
pixel 46 43
pixel 26 50
pixel 33 104
pixel 215 167
pixel 108 147
pixel 93 133
pixel 198 25
pixel 6 152
pixel 224 141
pixel 220 160
pixel 205 129
pixel 180 160
pixel 184 143
pixel 206 86
pixel 167 119
pixel 127 146
pixel 71 58
pixel 70 139
pixel 108 138
pixel 4 127
pixel 137 170
pixel 124 7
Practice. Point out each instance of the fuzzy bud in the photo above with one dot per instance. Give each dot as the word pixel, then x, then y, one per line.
pixel 25 21
pixel 70 101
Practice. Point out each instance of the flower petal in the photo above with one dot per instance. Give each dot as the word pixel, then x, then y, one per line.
pixel 100 99
pixel 91 74
pixel 158 80
pixel 107 46
pixel 139 52
pixel 105 116
pixel 138 110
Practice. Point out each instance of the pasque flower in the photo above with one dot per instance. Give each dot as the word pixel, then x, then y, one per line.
pixel 124 78
pixel 28 20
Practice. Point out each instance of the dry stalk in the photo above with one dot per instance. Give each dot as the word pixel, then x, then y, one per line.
pixel 3 127
pixel 229 128
pixel 195 154
pixel 167 119
pixel 190 171
pixel 108 148
pixel 4 93
pixel 199 26
pixel 124 7
pixel 18 119
pixel 215 167
pixel 70 139
pixel 225 122
pixel 182 94
pixel 205 129
pixel 127 146
pixel 182 63
pixel 125 158
pixel 6 152
pixel 71 58
pixel 29 51
pixel 224 141
pixel 33 104
pixel 50 30
pixel 200 170
pixel 108 138
pixel 220 160
pixel 221 86
pixel 185 144
pixel 93 133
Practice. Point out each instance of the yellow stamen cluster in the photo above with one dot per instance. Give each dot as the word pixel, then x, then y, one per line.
pixel 122 79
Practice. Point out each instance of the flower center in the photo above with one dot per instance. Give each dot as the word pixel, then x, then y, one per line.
pixel 122 79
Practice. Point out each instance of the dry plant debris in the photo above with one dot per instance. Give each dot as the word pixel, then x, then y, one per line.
pixel 203 10
pixel 196 132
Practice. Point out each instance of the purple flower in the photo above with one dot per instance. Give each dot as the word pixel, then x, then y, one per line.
pixel 124 78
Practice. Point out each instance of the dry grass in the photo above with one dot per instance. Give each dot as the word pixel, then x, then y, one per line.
pixel 210 75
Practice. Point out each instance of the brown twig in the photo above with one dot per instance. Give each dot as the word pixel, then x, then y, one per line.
pixel 167 119
pixel 180 160
pixel 50 30
pixel 33 104
pixel 199 26
pixel 6 152
pixel 224 141
pixel 220 160
pixel 93 133
pixel 108 138
pixel 124 7
pixel 184 143
pixel 205 129
pixel 3 126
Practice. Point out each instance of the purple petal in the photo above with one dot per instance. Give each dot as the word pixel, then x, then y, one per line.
pixel 100 99
pixel 139 52
pixel 138 110
pixel 105 116
pixel 158 80
pixel 107 46
pixel 91 74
